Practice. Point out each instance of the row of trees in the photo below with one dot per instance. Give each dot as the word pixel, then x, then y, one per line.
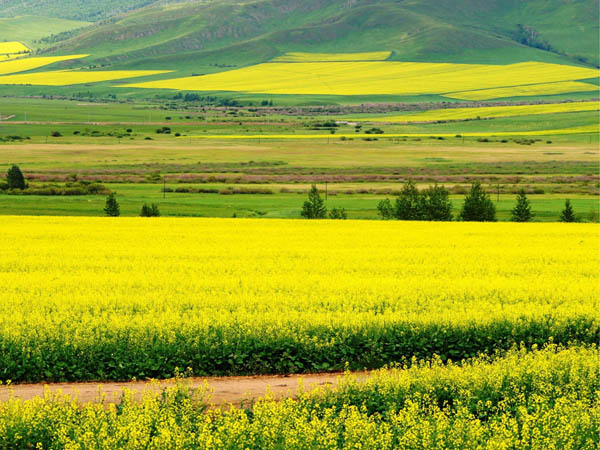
pixel 433 204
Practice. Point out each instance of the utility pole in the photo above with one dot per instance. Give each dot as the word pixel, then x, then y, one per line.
pixel 164 187
pixel 498 197
pixel 326 191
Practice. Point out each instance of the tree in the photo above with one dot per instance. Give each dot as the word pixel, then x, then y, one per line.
pixel 409 203
pixel 522 211
pixel 112 208
pixel 339 214
pixel 149 211
pixel 568 214
pixel 386 210
pixel 314 207
pixel 436 204
pixel 478 206
pixel 15 178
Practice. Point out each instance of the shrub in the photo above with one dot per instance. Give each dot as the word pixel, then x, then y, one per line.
pixel 15 178
pixel 149 211
pixel 478 207
pixel 338 214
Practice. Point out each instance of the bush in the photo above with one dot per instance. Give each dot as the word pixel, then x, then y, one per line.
pixel 478 207
pixel 386 210
pixel 15 178
pixel 338 214
pixel 149 211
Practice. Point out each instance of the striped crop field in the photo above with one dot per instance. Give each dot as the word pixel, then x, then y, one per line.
pixel 382 77
pixel 22 65
pixel 594 128
pixel 70 77
pixel 332 57
pixel 487 112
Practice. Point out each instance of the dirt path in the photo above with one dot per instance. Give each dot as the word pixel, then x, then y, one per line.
pixel 225 391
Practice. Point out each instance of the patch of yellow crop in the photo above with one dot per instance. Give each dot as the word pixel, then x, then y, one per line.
pixel 106 282
pixel 595 128
pixel 563 87
pixel 10 48
pixel 487 112
pixel 374 78
pixel 332 57
pixel 69 77
pixel 21 65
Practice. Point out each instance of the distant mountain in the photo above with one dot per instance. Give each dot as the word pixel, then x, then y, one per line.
pixel 212 35
pixel 88 10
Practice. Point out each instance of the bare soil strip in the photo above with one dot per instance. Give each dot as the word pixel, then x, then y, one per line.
pixel 237 391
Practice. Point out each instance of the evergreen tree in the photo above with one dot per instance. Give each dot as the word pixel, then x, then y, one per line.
pixel 478 206
pixel 568 214
pixel 15 178
pixel 409 204
pixel 436 204
pixel 522 210
pixel 314 207
pixel 386 210
pixel 112 208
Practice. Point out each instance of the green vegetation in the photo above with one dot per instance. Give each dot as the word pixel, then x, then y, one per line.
pixel 530 400
pixel 478 206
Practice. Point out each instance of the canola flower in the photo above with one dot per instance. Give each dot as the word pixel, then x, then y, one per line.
pixel 540 400
pixel 377 77
pixel 584 129
pixel 70 77
pixel 22 65
pixel 530 90
pixel 486 112
pixel 102 298
pixel 12 50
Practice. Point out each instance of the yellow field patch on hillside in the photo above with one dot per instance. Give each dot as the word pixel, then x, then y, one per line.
pixel 595 128
pixel 69 77
pixel 21 65
pixel 332 57
pixel 487 112
pixel 373 78
pixel 10 48
pixel 564 87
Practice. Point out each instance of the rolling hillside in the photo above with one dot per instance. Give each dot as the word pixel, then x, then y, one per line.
pixel 205 36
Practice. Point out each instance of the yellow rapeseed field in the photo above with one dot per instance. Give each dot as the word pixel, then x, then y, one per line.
pixel 97 298
pixel 529 90
pixel 21 65
pixel 376 77
pixel 486 112
pixel 10 48
pixel 69 77
pixel 329 57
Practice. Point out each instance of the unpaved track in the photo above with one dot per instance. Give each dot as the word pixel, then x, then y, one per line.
pixel 226 390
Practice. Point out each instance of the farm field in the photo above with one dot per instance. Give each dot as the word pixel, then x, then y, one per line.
pixel 222 302
pixel 520 400
pixel 297 224
pixel 488 112
pixel 386 77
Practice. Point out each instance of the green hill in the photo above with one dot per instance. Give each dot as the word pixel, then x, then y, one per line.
pixel 31 30
pixel 205 36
